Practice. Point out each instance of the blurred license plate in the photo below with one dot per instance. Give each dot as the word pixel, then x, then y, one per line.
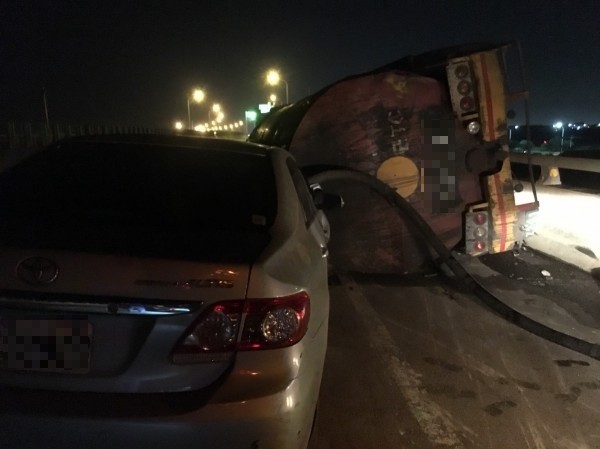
pixel 59 346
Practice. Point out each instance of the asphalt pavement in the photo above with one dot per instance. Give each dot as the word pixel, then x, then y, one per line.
pixel 413 362
pixel 546 290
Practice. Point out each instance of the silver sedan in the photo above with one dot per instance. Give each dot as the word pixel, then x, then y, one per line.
pixel 160 291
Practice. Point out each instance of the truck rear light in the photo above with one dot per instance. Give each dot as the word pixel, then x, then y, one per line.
pixel 269 323
pixel 477 232
pixel 463 87
pixel 275 322
pixel 463 93
pixel 479 246
pixel 461 71
pixel 480 217
pixel 467 103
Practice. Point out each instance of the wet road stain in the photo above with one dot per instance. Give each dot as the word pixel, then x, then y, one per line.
pixel 528 385
pixel 520 383
pixel 576 390
pixel 569 397
pixel 594 385
pixel 585 250
pixel 497 408
pixel 450 391
pixel 568 363
pixel 442 364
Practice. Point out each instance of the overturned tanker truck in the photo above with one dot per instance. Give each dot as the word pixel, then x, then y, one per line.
pixel 432 127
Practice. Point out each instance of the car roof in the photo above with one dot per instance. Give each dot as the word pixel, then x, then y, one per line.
pixel 206 143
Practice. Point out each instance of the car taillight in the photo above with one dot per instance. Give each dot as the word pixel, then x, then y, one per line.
pixel 269 323
pixel 275 323
pixel 212 336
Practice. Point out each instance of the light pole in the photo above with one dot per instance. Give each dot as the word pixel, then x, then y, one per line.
pixel 557 126
pixel 198 96
pixel 45 106
pixel 273 79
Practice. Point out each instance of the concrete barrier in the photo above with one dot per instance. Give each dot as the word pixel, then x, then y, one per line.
pixel 566 226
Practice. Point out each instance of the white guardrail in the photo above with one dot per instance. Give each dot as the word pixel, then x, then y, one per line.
pixel 565 225
pixel 549 162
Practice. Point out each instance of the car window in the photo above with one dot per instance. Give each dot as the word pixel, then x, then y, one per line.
pixel 302 191
pixel 138 198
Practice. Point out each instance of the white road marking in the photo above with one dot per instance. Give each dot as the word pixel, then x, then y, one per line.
pixel 435 422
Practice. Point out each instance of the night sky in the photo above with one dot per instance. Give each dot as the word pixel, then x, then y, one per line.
pixel 134 62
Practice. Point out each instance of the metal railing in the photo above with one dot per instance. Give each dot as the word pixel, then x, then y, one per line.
pixel 21 139
pixel 572 163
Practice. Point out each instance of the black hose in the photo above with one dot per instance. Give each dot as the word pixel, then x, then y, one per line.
pixel 416 223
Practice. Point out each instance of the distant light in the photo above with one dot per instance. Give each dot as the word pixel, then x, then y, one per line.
pixel 200 128
pixel 220 117
pixel 216 108
pixel 241 123
pixel 178 125
pixel 516 126
pixel 273 77
pixel 558 125
pixel 251 115
pixel 264 107
pixel 198 95
pixel 273 98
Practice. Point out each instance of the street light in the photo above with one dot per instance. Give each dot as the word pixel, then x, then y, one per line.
pixel 273 79
pixel 557 126
pixel 216 108
pixel 273 99
pixel 198 96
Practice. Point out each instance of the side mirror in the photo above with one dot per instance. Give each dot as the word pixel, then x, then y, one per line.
pixel 325 200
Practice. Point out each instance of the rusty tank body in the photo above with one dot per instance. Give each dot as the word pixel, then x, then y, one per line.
pixel 433 127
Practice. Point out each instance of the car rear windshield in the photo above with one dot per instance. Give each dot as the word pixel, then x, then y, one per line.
pixel 141 199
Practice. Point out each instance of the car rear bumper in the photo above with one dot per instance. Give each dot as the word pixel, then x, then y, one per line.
pixel 280 420
pixel 249 409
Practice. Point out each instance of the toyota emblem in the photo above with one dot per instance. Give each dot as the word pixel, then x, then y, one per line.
pixel 37 271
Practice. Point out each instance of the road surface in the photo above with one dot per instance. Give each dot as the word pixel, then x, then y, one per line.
pixel 413 363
